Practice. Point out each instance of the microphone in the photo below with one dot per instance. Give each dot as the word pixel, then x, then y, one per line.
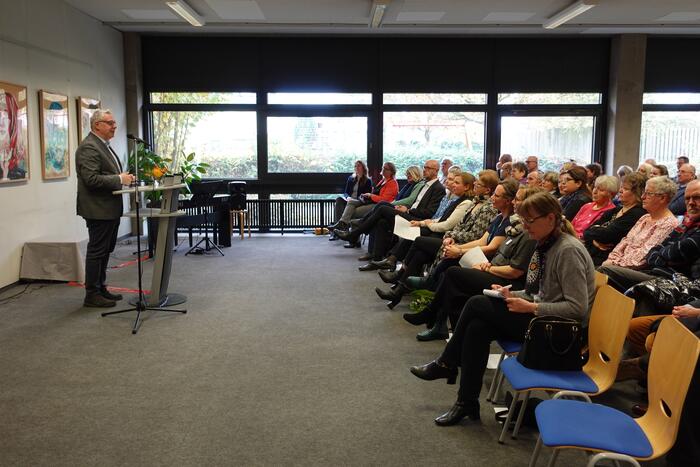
pixel 138 140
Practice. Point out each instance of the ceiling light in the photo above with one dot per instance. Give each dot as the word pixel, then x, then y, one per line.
pixel 569 13
pixel 186 12
pixel 377 13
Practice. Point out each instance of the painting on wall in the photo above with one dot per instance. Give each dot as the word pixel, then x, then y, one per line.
pixel 14 148
pixel 55 162
pixel 86 107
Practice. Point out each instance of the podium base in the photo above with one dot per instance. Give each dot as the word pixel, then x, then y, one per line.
pixel 170 299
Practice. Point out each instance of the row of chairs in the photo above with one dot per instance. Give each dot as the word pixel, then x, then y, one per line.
pixel 573 424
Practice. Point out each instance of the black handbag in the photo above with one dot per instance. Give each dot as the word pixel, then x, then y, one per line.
pixel 552 343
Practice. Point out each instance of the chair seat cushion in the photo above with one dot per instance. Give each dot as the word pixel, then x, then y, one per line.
pixel 594 426
pixel 510 346
pixel 522 378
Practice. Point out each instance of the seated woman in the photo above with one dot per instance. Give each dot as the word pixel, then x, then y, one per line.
pixel 650 230
pixel 604 190
pixel 450 212
pixel 550 182
pixel 520 172
pixel 473 225
pixel 607 231
pixel 357 184
pixel 560 282
pixel 593 171
pixel 490 240
pixel 575 191
pixel 386 190
pixel 458 284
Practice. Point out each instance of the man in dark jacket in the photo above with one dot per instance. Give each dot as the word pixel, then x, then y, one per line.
pixel 99 173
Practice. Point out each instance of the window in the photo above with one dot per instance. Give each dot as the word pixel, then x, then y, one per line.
pixel 412 137
pixel 435 99
pixel 318 98
pixel 682 98
pixel 553 139
pixel 227 141
pixel 668 135
pixel 315 144
pixel 203 98
pixel 549 98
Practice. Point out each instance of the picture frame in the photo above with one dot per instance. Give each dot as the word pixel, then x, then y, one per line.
pixel 14 138
pixel 86 107
pixel 53 114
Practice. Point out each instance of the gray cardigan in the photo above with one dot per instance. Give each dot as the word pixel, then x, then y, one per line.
pixel 568 288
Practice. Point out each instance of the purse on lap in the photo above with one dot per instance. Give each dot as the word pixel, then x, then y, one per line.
pixel 552 343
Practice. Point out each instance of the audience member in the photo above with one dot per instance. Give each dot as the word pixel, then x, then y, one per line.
pixel 532 164
pixel 356 184
pixel 645 168
pixel 572 185
pixel 502 160
pixel 506 170
pixel 445 165
pixel 560 282
pixel 679 163
pixel 604 190
pixel 520 172
pixel 685 175
pixel 534 178
pixel 593 171
pixel 613 225
pixel 624 170
pixel 550 182
pixel 659 170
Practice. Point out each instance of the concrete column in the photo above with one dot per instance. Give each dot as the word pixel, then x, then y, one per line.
pixel 133 78
pixel 627 63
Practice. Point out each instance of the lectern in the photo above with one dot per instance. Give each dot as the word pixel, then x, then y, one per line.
pixel 163 258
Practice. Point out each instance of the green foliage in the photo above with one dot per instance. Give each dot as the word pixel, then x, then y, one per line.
pixel 148 161
pixel 191 169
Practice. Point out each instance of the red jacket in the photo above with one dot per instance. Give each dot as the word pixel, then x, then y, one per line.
pixel 388 189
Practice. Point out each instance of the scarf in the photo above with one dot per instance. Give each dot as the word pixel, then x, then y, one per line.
pixel 515 228
pixel 535 271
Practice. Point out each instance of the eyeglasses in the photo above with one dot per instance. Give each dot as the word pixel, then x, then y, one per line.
pixel 527 221
pixel 108 122
pixel 427 167
pixel 651 193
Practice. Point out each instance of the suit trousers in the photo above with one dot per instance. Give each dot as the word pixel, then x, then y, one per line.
pixel 482 321
pixel 422 252
pixel 102 238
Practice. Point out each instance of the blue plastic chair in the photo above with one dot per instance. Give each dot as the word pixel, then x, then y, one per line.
pixel 609 322
pixel 510 348
pixel 611 434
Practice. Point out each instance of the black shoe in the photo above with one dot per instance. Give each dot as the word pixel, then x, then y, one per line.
pixel 432 334
pixel 391 295
pixel 435 370
pixel 385 264
pixel 389 277
pixel 459 411
pixel 368 267
pixel 345 235
pixel 422 317
pixel 352 245
pixel 367 257
pixel 98 301
pixel 110 296
pixel 394 296
pixel 340 225
pixel 332 237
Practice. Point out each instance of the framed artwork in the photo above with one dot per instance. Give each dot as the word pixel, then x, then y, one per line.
pixel 14 147
pixel 86 107
pixel 53 113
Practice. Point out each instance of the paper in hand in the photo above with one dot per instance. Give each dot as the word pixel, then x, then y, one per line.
pixel 403 229
pixel 471 257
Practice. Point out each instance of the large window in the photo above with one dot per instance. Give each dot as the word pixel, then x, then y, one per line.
pixel 554 140
pixel 549 98
pixel 318 98
pixel 412 137
pixel 315 144
pixel 225 140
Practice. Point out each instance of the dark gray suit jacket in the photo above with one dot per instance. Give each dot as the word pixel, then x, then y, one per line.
pixel 429 203
pixel 98 176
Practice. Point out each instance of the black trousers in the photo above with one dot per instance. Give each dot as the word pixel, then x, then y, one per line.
pixel 483 320
pixel 102 238
pixel 380 223
pixel 422 252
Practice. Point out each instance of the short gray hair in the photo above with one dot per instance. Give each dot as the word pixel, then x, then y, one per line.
pixel 98 116
pixel 454 169
pixel 664 185
pixel 608 183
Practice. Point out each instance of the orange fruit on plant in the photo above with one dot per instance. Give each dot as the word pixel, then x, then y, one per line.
pixel 157 172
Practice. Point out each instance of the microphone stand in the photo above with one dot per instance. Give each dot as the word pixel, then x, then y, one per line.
pixel 141 305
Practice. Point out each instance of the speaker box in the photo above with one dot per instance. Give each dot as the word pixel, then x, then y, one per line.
pixel 237 190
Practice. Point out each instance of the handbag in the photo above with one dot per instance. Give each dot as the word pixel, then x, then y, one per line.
pixel 552 343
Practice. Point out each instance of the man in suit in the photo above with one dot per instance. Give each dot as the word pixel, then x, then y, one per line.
pixel 99 173
pixel 381 222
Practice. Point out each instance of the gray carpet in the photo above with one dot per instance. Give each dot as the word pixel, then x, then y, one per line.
pixel 285 356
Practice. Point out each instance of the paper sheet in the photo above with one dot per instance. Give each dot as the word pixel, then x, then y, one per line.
pixel 403 229
pixel 472 257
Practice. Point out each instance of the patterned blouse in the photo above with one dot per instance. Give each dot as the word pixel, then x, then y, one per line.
pixel 632 250
pixel 474 224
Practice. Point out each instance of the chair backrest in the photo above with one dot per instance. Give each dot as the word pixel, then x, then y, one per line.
pixel 607 329
pixel 600 279
pixel 671 366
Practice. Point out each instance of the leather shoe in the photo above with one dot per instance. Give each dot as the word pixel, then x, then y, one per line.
pixel 432 334
pixel 345 235
pixel 368 267
pixel 110 296
pixel 340 225
pixel 435 370
pixel 426 316
pixel 389 277
pixel 352 245
pixel 386 263
pixel 98 301
pixel 367 257
pixel 459 411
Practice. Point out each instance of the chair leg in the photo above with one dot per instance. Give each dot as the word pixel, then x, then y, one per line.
pixel 536 452
pixel 241 225
pixel 553 459
pixel 497 396
pixel 521 415
pixel 615 457
pixel 496 375
pixel 511 409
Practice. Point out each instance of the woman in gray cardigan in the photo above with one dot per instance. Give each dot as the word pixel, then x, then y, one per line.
pixel 560 282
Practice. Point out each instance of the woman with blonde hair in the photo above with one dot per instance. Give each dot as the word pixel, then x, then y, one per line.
pixel 560 282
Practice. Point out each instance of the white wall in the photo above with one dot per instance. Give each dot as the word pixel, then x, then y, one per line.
pixel 47 44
